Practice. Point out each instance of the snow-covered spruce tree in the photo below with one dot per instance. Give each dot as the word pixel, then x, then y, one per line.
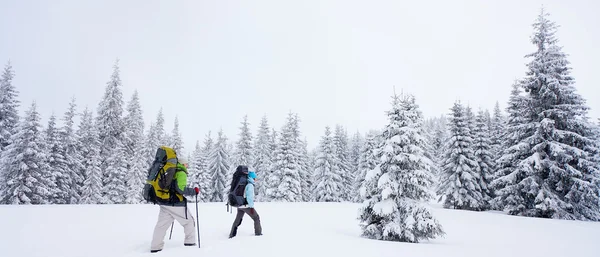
pixel 306 172
pixel 511 150
pixel 175 139
pixel 459 185
pixel 218 166
pixel 28 176
pixel 367 161
pixel 91 191
pixel 156 137
pixel 54 151
pixel 341 150
pixel 483 155
pixel 285 182
pixel 393 209
pixel 497 130
pixel 72 153
pixel 355 146
pixel 244 152
pixel 135 151
pixel 111 133
pixel 328 180
pixel 196 167
pixel 263 156
pixel 559 177
pixel 438 144
pixel 9 116
pixel 205 180
pixel 9 105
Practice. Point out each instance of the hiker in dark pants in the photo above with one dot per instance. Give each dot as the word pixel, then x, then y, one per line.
pixel 247 209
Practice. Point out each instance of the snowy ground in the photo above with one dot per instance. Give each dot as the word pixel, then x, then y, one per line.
pixel 290 229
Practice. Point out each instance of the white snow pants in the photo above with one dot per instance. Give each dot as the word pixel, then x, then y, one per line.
pixel 165 217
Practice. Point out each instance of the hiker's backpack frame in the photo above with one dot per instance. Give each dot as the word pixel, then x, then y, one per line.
pixel 159 183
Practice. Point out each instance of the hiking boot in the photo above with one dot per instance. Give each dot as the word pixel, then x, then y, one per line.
pixel 155 251
pixel 190 244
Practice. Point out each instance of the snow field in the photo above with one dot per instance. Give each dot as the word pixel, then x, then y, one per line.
pixel 290 229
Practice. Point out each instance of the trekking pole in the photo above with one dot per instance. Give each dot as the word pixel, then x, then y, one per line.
pixel 170 234
pixel 197 221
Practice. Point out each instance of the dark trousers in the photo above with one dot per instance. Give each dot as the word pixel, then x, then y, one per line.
pixel 238 221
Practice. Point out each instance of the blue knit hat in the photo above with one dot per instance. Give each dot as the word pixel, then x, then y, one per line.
pixel 252 174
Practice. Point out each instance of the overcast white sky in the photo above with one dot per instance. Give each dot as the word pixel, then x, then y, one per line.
pixel 330 61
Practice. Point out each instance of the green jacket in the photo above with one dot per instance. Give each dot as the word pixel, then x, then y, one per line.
pixel 180 179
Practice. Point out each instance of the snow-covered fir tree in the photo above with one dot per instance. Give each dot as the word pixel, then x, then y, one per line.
pixel 285 183
pixel 196 167
pixel 342 152
pixel 483 155
pixel 356 144
pixel 328 180
pixel 497 130
pixel 135 150
pixel 459 186
pixel 72 152
pixel 28 176
pixel 111 133
pixel 244 152
pixel 511 149
pixel 558 176
pixel 9 116
pixel 263 156
pixel 9 104
pixel 367 161
pixel 175 139
pixel 218 166
pixel 205 179
pixel 91 191
pixel 398 186
pixel 306 172
pixel 54 151
pixel 156 137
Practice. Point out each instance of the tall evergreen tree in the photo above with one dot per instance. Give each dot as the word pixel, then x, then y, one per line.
pixel 483 155
pixel 206 176
pixel 28 176
pixel 306 173
pixel 285 182
pixel 135 150
pixel 72 153
pixel 9 104
pixel 244 154
pixel 367 161
pixel 340 141
pixel 110 132
pixel 9 116
pixel 54 151
pixel 219 164
pixel 497 129
pixel 459 185
pixel 175 139
pixel 156 137
pixel 393 209
pixel 263 160
pixel 197 166
pixel 355 146
pixel 328 186
pixel 511 150
pixel 91 191
pixel 559 177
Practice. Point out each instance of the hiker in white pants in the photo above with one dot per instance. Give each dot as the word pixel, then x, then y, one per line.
pixel 175 209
